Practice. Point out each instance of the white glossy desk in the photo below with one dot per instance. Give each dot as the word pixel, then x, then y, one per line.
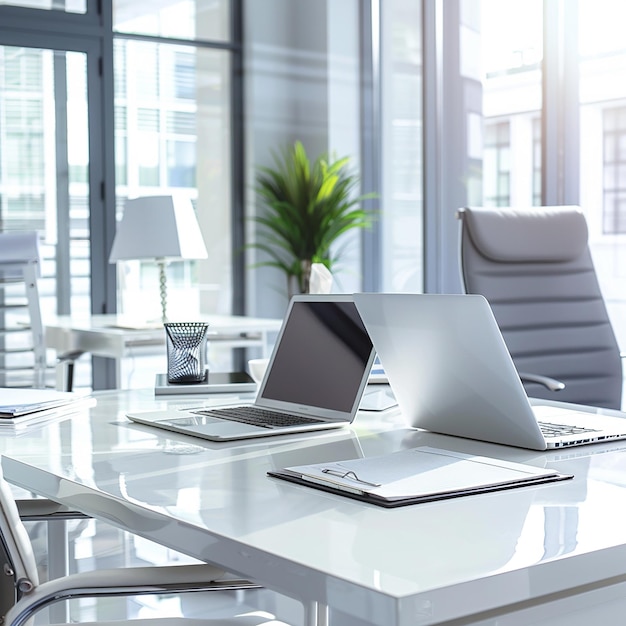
pixel 548 555
pixel 114 337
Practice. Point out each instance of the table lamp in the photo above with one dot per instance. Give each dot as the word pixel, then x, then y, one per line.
pixel 163 228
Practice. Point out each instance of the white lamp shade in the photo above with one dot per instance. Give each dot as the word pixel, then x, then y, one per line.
pixel 158 227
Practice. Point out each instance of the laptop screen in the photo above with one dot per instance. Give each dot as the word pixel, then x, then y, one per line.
pixel 321 358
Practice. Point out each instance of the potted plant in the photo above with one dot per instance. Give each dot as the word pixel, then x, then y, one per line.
pixel 306 207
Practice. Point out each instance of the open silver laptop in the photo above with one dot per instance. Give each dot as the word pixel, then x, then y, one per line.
pixel 314 380
pixel 452 373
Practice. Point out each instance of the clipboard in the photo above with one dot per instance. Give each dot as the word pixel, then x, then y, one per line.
pixel 417 475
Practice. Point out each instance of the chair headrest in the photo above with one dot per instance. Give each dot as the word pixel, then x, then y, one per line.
pixel 538 234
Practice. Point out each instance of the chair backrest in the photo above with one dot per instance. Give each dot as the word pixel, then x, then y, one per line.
pixel 535 269
pixel 17 248
pixel 20 263
pixel 16 551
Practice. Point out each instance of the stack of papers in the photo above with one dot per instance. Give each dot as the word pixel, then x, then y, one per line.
pixel 20 406
pixel 418 475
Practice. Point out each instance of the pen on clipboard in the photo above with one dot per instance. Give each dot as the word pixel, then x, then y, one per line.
pixel 350 475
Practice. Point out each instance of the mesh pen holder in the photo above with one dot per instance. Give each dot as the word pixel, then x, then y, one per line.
pixel 186 351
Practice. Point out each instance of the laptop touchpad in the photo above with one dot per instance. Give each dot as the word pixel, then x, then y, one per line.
pixel 203 425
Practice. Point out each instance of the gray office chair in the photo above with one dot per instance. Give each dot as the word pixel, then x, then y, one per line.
pixel 19 568
pixel 535 269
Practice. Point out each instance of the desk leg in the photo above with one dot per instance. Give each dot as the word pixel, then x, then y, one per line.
pixel 64 372
pixel 322 615
pixel 105 373
pixel 315 614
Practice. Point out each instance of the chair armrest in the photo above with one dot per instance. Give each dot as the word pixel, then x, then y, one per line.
pixel 550 383
pixel 121 582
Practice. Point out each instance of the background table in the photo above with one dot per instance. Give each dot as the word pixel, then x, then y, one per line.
pixel 113 337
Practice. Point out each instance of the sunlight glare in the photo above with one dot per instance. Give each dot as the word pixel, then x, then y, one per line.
pixel 601 26
pixel 511 34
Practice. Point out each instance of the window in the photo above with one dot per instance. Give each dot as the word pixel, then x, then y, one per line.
pixel 43 166
pixel 602 105
pixel 70 6
pixel 512 48
pixel 173 120
pixel 496 165
pixel 536 123
pixel 176 19
pixel 614 206
pixel 171 108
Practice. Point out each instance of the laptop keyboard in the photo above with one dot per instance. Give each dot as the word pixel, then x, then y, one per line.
pixel 559 430
pixel 256 416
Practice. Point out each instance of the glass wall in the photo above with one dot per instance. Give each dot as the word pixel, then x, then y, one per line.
pixel 512 54
pixel 44 185
pixel 602 65
pixel 167 119
pixel 401 197
pixel 497 164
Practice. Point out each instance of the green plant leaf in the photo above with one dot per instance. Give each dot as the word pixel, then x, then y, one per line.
pixel 306 206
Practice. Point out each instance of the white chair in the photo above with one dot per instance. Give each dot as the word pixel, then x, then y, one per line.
pixel 20 576
pixel 21 335
pixel 20 266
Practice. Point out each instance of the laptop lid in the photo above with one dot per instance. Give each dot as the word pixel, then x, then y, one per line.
pixel 449 367
pixel 321 360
